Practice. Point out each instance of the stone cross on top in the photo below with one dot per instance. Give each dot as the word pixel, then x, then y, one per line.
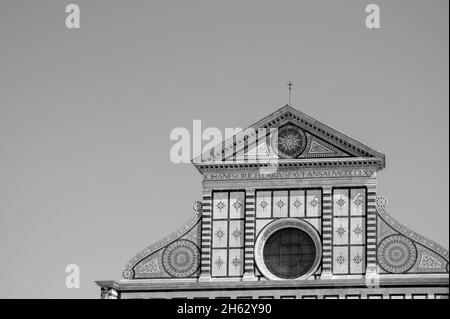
pixel 290 88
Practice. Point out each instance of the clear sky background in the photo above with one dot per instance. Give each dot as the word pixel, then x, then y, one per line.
pixel 85 115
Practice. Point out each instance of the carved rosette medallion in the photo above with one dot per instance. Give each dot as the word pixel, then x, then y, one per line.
pixel 197 207
pixel 128 273
pixel 381 201
pixel 181 258
pixel 396 254
pixel 289 141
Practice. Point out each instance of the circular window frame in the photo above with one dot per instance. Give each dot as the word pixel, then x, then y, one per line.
pixel 277 225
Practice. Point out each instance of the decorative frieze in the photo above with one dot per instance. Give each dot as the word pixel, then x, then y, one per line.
pixel 297 174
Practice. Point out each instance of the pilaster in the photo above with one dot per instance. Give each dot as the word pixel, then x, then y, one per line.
pixel 249 257
pixel 205 265
pixel 327 232
pixel 371 232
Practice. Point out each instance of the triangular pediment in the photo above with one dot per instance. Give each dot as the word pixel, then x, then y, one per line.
pixel 288 136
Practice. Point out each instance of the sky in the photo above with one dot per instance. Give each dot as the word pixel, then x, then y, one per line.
pixel 86 115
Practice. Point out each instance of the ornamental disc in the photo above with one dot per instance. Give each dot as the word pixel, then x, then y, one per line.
pixel 128 273
pixel 396 254
pixel 290 141
pixel 381 201
pixel 197 207
pixel 181 258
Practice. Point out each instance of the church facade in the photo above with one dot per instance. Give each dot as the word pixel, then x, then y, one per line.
pixel 289 210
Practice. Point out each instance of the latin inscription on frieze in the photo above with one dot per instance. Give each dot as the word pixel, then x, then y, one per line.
pixel 304 174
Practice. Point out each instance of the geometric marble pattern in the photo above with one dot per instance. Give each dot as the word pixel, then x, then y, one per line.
pixel 313 203
pixel 263 204
pixel 280 201
pixel 150 266
pixel 228 234
pixel 349 230
pixel 429 262
pixel 219 262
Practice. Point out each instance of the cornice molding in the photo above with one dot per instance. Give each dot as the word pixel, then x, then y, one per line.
pixel 409 280
pixel 295 163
